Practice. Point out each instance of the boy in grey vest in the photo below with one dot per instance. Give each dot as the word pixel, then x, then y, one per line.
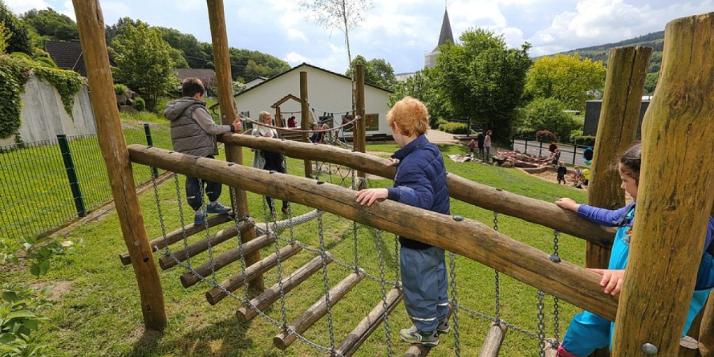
pixel 193 132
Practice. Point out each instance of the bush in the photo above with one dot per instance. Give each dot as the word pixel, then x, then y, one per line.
pixel 548 114
pixel 437 123
pixel 584 140
pixel 545 136
pixel 139 104
pixel 454 128
pixel 120 89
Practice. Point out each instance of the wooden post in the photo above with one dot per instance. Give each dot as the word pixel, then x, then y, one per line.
pixel 305 117
pixel 359 133
pixel 616 131
pixel 278 117
pixel 675 196
pixel 224 84
pixel 494 339
pixel 121 179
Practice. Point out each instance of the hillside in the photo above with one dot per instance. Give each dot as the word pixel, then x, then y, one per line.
pixel 599 52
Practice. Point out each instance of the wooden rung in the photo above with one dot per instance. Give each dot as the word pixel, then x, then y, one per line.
pixel 688 347
pixel 190 278
pixel 284 339
pixel 177 235
pixel 417 350
pixel 494 339
pixel 269 296
pixel 369 324
pixel 168 261
pixel 231 284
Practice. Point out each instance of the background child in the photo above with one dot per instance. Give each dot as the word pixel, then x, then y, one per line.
pixel 588 331
pixel 562 170
pixel 487 147
pixel 420 181
pixel 472 147
pixel 193 132
pixel 268 160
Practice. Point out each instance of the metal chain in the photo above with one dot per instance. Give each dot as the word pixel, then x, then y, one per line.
pixel 385 318
pixel 279 265
pixel 556 301
pixel 325 281
pixel 355 251
pixel 182 221
pixel 541 324
pixel 241 252
pixel 204 210
pixel 397 261
pixel 454 303
pixel 497 276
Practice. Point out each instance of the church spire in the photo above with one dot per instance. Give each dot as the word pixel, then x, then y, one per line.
pixel 445 36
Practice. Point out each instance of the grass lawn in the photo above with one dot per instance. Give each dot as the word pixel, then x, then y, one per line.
pixel 99 313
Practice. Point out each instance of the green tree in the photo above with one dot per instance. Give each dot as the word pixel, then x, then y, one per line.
pixel 548 114
pixel 18 41
pixel 377 72
pixel 143 61
pixel 197 54
pixel 51 25
pixel 483 79
pixel 651 82
pixel 4 38
pixel 248 65
pixel 568 78
pixel 424 85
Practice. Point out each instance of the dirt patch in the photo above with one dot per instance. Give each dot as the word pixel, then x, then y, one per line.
pixel 551 176
pixel 55 289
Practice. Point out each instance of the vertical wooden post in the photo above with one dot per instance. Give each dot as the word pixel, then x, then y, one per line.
pixel 675 195
pixel 278 117
pixel 116 157
pixel 359 133
pixel 224 84
pixel 305 117
pixel 616 131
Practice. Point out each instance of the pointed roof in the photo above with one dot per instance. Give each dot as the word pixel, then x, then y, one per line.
pixel 445 36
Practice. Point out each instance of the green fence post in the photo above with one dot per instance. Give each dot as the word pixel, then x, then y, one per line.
pixel 540 148
pixel 150 143
pixel 71 175
pixel 575 152
pixel 525 151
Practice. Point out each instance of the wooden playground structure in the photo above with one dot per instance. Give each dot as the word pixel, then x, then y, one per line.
pixel 676 195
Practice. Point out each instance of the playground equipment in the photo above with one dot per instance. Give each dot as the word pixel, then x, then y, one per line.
pixel 676 188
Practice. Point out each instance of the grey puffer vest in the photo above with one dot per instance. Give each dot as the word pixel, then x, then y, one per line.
pixel 187 136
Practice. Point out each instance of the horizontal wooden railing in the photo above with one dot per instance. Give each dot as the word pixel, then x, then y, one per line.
pixel 465 237
pixel 529 209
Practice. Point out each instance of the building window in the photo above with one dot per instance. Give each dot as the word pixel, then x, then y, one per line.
pixel 372 122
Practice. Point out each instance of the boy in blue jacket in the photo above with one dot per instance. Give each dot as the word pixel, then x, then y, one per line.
pixel 421 182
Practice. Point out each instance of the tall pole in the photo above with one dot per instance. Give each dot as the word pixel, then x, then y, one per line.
pixel 616 131
pixel 305 117
pixel 116 157
pixel 359 133
pixel 224 84
pixel 675 196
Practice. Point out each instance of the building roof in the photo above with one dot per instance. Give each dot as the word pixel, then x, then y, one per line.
pixel 206 75
pixel 445 36
pixel 313 67
pixel 67 55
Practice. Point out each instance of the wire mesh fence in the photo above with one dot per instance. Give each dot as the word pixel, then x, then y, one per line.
pixel 46 184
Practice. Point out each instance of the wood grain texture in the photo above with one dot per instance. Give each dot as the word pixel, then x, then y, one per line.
pixel 494 339
pixel 359 133
pixel 305 123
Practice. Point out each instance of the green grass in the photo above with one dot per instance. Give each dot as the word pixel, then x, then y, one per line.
pixel 100 314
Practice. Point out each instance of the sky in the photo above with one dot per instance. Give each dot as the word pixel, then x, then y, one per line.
pixel 400 31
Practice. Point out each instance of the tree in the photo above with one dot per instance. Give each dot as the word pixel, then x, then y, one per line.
pixel 548 114
pixel 197 54
pixel 52 25
pixel 651 82
pixel 143 61
pixel 18 41
pixel 341 14
pixel 248 65
pixel 4 38
pixel 423 85
pixel 483 79
pixel 377 72
pixel 568 78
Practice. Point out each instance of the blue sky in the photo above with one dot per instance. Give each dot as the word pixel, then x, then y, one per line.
pixel 401 31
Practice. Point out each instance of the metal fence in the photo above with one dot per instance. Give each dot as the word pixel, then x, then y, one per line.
pixel 46 184
pixel 569 154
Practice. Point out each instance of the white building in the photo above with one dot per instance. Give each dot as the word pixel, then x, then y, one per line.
pixel 329 95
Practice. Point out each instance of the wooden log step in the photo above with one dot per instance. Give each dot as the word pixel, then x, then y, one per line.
pixel 177 235
pixel 417 350
pixel 190 278
pixel 167 261
pixel 315 312
pixel 231 284
pixel 494 339
pixel 269 296
pixel 369 324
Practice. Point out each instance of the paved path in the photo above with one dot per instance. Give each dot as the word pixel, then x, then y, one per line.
pixel 440 137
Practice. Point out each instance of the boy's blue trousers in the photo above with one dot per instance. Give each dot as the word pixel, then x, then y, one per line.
pixel 425 286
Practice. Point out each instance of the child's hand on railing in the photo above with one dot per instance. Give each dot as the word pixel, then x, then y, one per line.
pixel 568 204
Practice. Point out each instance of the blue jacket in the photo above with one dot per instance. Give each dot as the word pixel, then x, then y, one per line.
pixel 618 218
pixel 420 181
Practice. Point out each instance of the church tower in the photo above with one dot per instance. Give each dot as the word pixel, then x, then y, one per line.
pixel 445 36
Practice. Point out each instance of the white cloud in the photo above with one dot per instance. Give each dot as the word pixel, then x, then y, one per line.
pixel 21 6
pixel 294 58
pixel 114 10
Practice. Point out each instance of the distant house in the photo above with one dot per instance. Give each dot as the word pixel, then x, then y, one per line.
pixel 255 82
pixel 67 55
pixel 592 115
pixel 329 96
pixel 206 75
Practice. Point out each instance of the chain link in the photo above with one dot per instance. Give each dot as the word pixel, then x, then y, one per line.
pixel 541 324
pixel 454 303
pixel 497 276
pixel 556 301
pixel 326 282
pixel 385 318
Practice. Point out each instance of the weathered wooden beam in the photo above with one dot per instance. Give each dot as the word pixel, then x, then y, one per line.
pixel 315 312
pixel 494 340
pixel 224 84
pixel 90 23
pixel 269 296
pixel 231 284
pixel 417 350
pixel 467 238
pixel 190 278
pixel 616 131
pixel 370 323
pixel 487 197
pixel 169 261
pixel 305 117
pixel 359 131
pixel 675 193
pixel 179 234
